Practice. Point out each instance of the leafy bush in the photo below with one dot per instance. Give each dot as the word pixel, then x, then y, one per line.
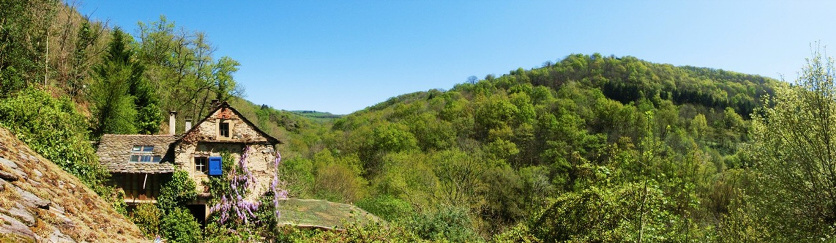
pixel 298 173
pixel 517 233
pixel 178 225
pixel 177 192
pixel 446 223
pixel 338 179
pixel 147 217
pixel 386 207
pixel 621 214
pixel 56 130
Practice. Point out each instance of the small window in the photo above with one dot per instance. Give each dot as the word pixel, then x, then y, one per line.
pixel 200 164
pixel 224 129
pixel 144 153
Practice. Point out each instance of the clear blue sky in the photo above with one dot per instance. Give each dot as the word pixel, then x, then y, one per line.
pixel 342 56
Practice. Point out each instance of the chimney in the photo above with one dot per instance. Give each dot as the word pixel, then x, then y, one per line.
pixel 172 115
pixel 188 124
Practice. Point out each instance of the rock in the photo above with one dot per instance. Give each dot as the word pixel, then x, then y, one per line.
pixel 57 236
pixel 13 226
pixel 21 213
pixel 9 163
pixel 31 200
pixel 57 209
pixel 10 172
pixel 63 222
pixel 8 176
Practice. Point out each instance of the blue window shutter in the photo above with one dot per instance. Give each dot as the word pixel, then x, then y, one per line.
pixel 215 166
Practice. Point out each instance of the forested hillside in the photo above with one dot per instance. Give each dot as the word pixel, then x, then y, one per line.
pixel 586 148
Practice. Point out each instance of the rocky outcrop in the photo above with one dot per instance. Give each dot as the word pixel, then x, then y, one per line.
pixel 39 202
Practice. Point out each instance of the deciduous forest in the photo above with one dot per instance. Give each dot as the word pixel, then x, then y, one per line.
pixel 586 148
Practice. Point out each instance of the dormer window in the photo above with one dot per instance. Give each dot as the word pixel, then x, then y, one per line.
pixel 224 129
pixel 144 153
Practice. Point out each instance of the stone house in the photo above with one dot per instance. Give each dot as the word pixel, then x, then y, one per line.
pixel 140 164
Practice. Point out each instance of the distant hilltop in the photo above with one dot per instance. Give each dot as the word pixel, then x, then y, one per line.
pixel 317 114
pixel 309 112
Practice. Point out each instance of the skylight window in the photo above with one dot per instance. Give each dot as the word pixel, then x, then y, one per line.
pixel 145 154
pixel 142 149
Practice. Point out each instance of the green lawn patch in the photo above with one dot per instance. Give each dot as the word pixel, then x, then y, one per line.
pixel 312 213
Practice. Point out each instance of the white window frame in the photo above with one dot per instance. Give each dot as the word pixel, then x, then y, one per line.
pixel 144 154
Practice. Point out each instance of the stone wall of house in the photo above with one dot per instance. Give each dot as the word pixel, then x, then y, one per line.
pixel 260 159
pixel 208 130
pixel 205 141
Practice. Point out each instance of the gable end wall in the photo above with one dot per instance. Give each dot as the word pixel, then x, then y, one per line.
pixel 205 141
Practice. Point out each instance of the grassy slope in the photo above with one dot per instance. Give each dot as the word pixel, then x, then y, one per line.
pixel 321 214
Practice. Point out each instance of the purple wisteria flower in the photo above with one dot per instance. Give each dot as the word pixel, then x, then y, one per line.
pixel 235 204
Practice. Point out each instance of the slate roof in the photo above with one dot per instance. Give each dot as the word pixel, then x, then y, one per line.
pixel 115 153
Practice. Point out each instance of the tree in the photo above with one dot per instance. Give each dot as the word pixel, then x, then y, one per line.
pixel 182 70
pixel 472 79
pixel 86 52
pixel 146 103
pixel 795 153
pixel 113 105
pixel 225 86
pixel 608 215
pixel 24 31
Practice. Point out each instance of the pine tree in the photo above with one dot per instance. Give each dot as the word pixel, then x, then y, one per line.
pixel 113 106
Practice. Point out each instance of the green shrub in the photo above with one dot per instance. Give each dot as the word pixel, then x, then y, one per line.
pixel 517 233
pixel 446 223
pixel 57 131
pixel 386 207
pixel 299 175
pixel 623 213
pixel 179 191
pixel 147 218
pixel 178 225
